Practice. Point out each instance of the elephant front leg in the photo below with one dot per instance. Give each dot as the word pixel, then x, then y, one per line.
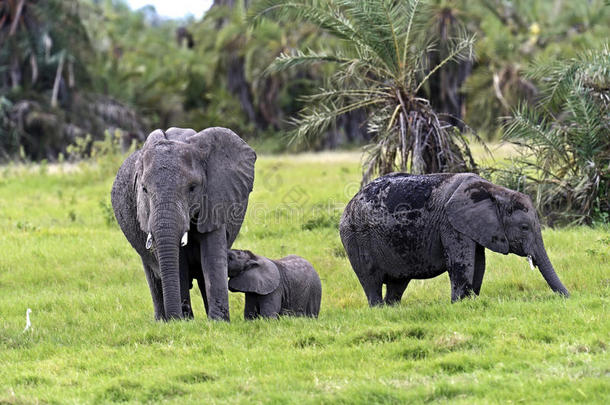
pixel 214 266
pixel 271 304
pixel 460 261
pixel 251 309
pixel 156 292
pixel 201 284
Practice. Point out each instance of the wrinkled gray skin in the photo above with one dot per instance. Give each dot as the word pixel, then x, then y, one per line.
pixel 185 182
pixel 402 227
pixel 288 286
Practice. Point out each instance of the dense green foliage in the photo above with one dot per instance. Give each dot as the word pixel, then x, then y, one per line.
pixel 48 97
pixel 566 138
pixel 93 338
pixel 77 67
pixel 512 35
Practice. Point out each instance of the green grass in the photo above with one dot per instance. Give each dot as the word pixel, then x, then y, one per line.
pixel 94 339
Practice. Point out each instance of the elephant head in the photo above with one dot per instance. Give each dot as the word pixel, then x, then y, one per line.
pixel 251 273
pixel 502 220
pixel 186 181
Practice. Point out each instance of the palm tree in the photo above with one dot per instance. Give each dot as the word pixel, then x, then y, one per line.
pixel 381 66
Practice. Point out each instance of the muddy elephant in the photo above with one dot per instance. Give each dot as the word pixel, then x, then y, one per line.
pixel 402 227
pixel 180 201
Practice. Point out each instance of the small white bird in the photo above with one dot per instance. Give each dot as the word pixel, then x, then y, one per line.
pixel 28 324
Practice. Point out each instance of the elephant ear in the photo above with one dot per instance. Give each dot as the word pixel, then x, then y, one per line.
pixel 143 209
pixel 228 164
pixel 473 211
pixel 261 276
pixel 179 134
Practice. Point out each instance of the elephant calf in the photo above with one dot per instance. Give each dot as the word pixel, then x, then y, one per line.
pixel 288 286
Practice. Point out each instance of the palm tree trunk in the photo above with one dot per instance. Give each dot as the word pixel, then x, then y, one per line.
pixel 60 68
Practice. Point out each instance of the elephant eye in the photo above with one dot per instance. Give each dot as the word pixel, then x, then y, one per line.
pixel 192 187
pixel 144 189
pixel 525 227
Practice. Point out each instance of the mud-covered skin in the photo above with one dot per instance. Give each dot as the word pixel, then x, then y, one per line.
pixel 385 232
pixel 402 227
pixel 289 286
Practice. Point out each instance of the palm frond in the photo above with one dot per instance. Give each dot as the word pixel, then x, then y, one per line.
pixel 558 79
pixel 374 24
pixel 314 121
pixel 410 14
pixel 319 13
pixel 299 58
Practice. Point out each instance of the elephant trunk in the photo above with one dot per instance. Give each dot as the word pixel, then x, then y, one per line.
pixel 548 272
pixel 167 238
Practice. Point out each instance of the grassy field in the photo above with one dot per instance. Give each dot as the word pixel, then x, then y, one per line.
pixel 93 338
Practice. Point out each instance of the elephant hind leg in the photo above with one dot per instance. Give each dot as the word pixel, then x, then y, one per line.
pixel 394 290
pixel 201 285
pixel 460 261
pixel 358 248
pixel 186 283
pixel 251 307
pixel 371 279
pixel 312 309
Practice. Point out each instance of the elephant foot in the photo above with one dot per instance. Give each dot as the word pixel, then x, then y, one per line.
pixel 376 302
pixel 219 313
pixel 465 293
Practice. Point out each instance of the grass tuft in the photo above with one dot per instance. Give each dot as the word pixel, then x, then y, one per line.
pixel 195 377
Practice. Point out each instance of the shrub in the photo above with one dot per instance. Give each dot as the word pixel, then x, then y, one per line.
pixel 565 139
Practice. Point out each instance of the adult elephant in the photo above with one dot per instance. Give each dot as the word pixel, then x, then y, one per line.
pixel 180 201
pixel 402 227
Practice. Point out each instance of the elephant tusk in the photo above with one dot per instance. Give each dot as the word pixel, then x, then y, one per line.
pixel 149 241
pixel 185 239
pixel 531 262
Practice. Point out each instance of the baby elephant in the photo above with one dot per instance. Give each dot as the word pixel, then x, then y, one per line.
pixel 288 286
